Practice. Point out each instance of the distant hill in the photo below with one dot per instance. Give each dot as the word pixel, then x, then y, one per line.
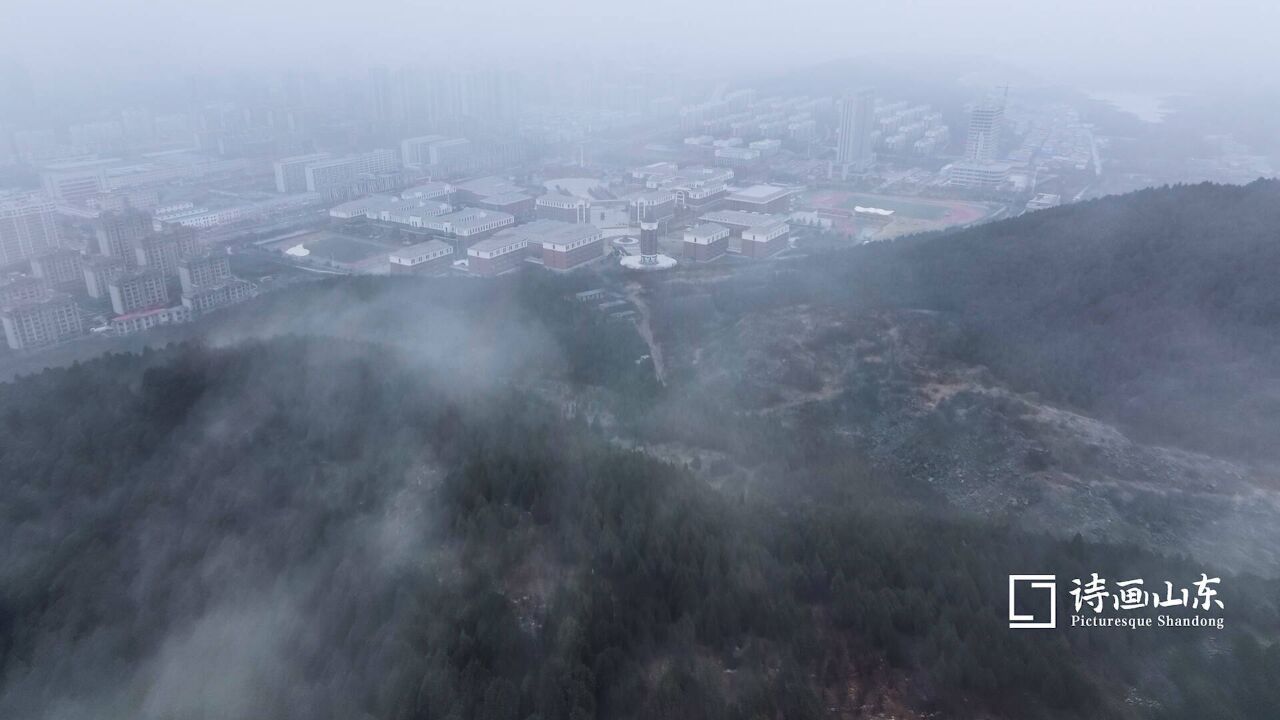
pixel 1160 309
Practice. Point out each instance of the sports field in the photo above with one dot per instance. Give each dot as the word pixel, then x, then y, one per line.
pixel 911 208
pixel 325 246
pixel 911 214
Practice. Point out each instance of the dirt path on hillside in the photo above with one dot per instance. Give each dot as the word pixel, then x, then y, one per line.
pixel 634 294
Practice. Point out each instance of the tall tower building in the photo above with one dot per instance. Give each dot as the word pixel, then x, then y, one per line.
pixel 649 258
pixel 648 237
pixel 985 124
pixel 854 151
pixel 380 93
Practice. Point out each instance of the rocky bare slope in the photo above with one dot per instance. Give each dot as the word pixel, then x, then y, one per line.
pixel 891 385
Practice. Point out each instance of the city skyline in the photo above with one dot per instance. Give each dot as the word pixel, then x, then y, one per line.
pixel 1094 44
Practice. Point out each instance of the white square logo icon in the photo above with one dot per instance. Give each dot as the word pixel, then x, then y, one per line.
pixel 1044 600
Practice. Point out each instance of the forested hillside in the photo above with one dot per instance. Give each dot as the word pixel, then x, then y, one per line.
pixel 316 529
pixel 1159 308
pixel 379 498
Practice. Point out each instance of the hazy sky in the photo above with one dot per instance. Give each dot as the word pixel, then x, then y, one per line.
pixel 1124 45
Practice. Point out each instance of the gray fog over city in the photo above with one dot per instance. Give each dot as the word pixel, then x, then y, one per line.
pixel 856 360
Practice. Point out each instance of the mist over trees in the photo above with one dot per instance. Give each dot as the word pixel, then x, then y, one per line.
pixel 366 524
pixel 496 360
pixel 274 529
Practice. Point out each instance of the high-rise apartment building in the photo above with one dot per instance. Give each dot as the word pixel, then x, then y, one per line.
pixel 450 153
pixel 212 297
pixel 21 290
pixel 118 233
pixel 137 291
pixel 341 178
pixel 203 271
pixel 28 227
pixel 291 172
pixel 415 151
pixel 100 272
pixel 986 121
pixel 59 267
pixel 159 252
pixel 854 149
pixel 49 319
pixel 75 181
